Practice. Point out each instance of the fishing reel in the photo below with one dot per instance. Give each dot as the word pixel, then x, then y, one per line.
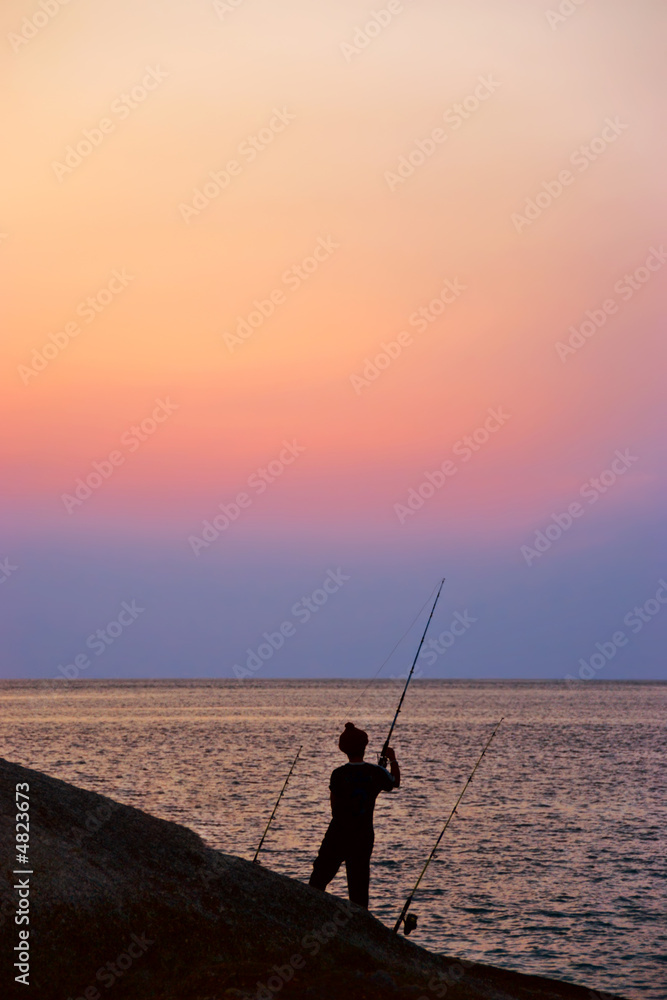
pixel 409 923
pixel 382 760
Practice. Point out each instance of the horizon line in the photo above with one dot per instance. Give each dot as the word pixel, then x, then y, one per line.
pixel 378 680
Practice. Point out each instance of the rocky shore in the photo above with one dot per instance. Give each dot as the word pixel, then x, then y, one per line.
pixel 125 905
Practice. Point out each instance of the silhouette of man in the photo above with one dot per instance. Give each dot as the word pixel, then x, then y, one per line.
pixel 349 838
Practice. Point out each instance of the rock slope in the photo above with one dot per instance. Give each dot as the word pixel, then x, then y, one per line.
pixel 129 906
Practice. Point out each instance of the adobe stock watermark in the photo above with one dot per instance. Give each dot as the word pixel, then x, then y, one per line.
pixel 95 819
pixel 7 569
pixel 365 33
pixel 247 151
pixel 292 278
pixel 581 158
pixel 32 25
pixel 439 983
pixel 302 611
pixel 390 350
pixel 434 648
pixel 564 10
pixel 459 625
pixel 99 641
pixel 464 449
pixel 591 491
pixel 259 482
pixel 87 310
pixel 311 942
pixel 626 287
pixel 454 117
pixel 131 440
pixel 635 620
pixel 121 108
pixel 224 7
pixel 109 973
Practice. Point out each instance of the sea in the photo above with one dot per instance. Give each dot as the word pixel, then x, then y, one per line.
pixel 555 862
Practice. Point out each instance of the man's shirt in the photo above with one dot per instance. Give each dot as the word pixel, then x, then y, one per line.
pixel 355 788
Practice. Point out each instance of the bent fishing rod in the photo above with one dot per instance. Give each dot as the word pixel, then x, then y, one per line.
pixel 282 790
pixel 410 920
pixel 382 757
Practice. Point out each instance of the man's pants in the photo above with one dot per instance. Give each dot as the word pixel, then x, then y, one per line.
pixel 355 850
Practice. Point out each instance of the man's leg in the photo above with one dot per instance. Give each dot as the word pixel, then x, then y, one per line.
pixel 328 861
pixel 358 866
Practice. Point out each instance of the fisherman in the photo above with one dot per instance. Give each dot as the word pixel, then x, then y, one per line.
pixel 349 838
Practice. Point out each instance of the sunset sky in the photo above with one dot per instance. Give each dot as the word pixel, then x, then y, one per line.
pixel 415 212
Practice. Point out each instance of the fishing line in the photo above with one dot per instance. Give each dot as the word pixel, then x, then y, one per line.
pixel 384 663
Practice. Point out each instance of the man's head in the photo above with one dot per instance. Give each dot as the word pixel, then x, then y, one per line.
pixel 353 741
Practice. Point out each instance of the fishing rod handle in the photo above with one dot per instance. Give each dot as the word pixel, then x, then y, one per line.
pixel 408 904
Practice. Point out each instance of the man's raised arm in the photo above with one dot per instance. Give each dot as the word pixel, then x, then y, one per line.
pixel 393 767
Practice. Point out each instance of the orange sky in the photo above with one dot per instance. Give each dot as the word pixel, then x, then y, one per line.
pixel 489 102
pixel 321 177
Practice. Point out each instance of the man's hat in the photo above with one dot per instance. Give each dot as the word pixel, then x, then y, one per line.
pixel 353 741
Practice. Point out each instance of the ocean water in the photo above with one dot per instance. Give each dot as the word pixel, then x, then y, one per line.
pixel 555 863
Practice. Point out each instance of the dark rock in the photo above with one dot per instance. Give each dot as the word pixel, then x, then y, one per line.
pixel 121 901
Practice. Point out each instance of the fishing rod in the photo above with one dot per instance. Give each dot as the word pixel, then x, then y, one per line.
pixel 387 659
pixel 259 846
pixel 382 757
pixel 409 919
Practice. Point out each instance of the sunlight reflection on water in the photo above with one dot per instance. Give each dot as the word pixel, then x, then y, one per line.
pixel 555 864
